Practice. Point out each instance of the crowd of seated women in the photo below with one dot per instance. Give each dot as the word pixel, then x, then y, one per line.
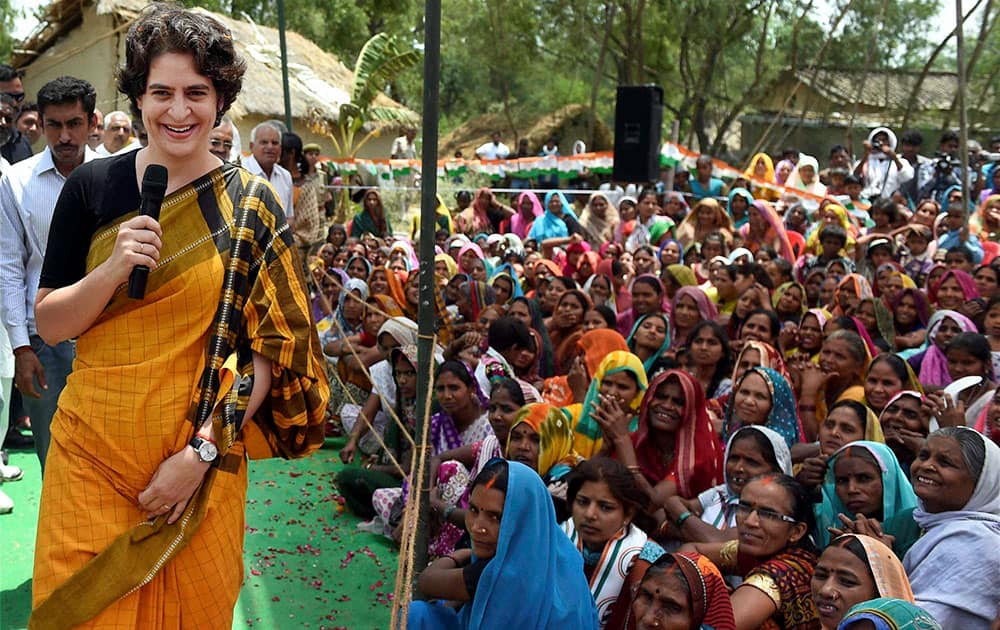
pixel 650 415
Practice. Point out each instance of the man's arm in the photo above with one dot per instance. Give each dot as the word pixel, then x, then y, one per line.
pixel 13 267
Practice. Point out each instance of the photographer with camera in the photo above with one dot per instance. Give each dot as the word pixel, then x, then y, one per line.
pixel 881 169
pixel 947 170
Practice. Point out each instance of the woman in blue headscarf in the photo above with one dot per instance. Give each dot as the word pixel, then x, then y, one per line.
pixel 558 224
pixel 885 613
pixel 512 524
pixel 742 200
pixel 506 284
pixel 748 406
pixel 649 339
pixel 849 473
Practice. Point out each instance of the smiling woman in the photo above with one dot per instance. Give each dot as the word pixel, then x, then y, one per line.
pixel 122 457
pixel 957 480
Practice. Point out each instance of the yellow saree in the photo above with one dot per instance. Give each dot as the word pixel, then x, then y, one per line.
pixel 145 374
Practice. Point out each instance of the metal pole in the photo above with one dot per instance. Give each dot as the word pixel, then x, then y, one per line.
pixel 675 132
pixel 284 64
pixel 963 117
pixel 428 222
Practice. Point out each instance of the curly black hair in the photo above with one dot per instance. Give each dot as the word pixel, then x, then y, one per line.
pixel 164 28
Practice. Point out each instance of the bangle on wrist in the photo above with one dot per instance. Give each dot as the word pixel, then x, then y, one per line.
pixel 807 407
pixel 634 469
pixel 683 517
pixel 21 350
pixel 448 511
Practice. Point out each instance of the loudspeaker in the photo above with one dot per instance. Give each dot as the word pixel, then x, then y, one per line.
pixel 638 119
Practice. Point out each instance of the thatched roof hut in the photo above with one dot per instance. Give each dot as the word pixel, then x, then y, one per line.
pixel 86 39
pixel 567 124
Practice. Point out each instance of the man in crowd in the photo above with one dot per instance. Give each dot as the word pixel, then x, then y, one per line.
pixel 13 146
pixel 494 149
pixel 404 147
pixel 28 194
pixel 880 169
pixel 910 143
pixel 221 140
pixel 265 149
pixel 29 122
pixel 96 137
pixel 840 160
pixel 117 131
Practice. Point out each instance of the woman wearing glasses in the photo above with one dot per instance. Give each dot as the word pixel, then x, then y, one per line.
pixel 773 555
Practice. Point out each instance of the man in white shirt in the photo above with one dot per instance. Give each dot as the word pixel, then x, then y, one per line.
pixel 265 149
pixel 494 149
pixel 881 170
pixel 404 147
pixel 117 131
pixel 28 194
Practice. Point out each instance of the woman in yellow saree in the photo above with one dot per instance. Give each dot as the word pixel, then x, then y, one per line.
pixel 141 516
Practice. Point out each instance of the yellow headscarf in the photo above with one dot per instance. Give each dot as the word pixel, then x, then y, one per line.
pixel 843 219
pixel 769 175
pixel 588 432
pixel 555 432
pixel 449 263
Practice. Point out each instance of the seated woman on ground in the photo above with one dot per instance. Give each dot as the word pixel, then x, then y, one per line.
pixel 607 525
pixel 514 534
pixel 852 570
pixel 674 590
pixel 887 376
pixel 357 484
pixel 956 477
pixel 866 492
pixel 752 451
pixel 541 438
pixel 674 450
pixel 763 396
pixel 885 613
pixel 968 354
pixel 848 421
pixel 773 554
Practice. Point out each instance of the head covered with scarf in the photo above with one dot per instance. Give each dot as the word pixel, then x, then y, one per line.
pixel 698 459
pixel 898 498
pixel 783 417
pixel 588 431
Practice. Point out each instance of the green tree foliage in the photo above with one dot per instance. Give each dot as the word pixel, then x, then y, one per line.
pixel 712 58
pixel 7 15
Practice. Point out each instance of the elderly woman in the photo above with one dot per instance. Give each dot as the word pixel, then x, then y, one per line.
pixel 957 480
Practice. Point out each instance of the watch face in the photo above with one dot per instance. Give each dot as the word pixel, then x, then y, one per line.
pixel 207 451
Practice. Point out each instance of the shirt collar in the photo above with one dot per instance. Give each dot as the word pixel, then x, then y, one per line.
pixel 46 164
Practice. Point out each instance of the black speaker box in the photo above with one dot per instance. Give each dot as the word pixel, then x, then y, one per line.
pixel 638 122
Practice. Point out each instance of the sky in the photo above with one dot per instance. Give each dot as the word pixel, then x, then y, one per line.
pixel 942 25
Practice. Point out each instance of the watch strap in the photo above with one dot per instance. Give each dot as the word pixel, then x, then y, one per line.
pixel 196 443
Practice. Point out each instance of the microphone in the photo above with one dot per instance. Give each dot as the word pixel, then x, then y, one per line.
pixel 154 187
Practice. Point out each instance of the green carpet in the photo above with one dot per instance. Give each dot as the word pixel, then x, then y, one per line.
pixel 305 563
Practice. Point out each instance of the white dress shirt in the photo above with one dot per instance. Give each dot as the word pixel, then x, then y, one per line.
pixel 281 181
pixel 490 151
pixel 28 194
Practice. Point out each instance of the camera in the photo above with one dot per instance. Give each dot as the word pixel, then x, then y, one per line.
pixel 944 163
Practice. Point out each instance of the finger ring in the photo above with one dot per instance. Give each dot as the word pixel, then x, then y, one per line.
pixel 165 507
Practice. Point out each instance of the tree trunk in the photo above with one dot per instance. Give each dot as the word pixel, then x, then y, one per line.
pixel 911 102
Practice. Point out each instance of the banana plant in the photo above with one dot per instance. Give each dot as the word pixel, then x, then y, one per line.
pixel 380 61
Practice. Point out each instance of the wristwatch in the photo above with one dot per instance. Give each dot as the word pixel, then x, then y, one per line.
pixel 206 449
